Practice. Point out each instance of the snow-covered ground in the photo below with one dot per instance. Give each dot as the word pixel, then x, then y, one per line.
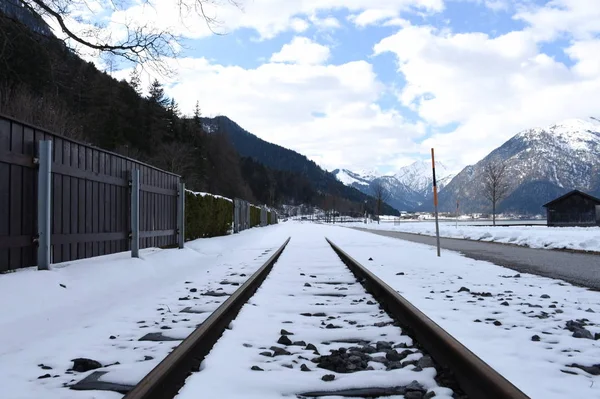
pixel 98 308
pixel 516 323
pixel 578 238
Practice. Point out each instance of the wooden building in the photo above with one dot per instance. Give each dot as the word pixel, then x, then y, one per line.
pixel 575 208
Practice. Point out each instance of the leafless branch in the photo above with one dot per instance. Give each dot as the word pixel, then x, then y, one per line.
pixel 142 45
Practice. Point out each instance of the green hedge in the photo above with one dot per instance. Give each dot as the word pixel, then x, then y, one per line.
pixel 207 216
pixel 254 216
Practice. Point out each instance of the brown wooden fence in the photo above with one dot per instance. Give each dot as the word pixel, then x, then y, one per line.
pixel 90 213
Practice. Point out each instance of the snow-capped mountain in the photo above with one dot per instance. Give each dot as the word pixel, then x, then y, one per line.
pixel 543 163
pixel 418 177
pixel 410 189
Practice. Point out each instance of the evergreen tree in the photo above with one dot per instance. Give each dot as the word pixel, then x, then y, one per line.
pixel 197 113
pixel 135 82
pixel 156 94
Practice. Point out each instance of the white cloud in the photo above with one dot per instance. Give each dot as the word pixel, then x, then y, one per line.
pixel 491 87
pixel 302 50
pixel 268 17
pixel 326 112
pixel 372 16
pixel 576 18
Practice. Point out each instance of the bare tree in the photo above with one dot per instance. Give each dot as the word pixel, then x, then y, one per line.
pixel 141 43
pixel 381 194
pixel 495 183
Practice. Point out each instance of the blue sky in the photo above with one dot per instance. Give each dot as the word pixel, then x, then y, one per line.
pixel 374 84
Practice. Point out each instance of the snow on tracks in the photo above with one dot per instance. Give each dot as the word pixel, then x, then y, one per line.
pixel 310 328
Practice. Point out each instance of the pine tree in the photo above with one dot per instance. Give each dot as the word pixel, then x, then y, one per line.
pixel 156 94
pixel 197 113
pixel 135 82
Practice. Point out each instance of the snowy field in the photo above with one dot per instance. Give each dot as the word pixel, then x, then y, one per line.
pixel 98 308
pixel 538 332
pixel 577 238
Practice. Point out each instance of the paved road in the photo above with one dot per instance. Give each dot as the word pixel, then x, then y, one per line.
pixel 577 268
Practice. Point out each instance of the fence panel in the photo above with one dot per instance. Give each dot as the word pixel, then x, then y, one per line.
pixel 90 199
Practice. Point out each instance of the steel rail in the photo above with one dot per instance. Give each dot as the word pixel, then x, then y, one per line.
pixel 167 378
pixel 475 377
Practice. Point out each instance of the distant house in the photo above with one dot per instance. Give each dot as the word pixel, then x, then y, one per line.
pixel 575 208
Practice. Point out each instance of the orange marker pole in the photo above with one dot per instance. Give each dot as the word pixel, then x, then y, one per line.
pixel 435 203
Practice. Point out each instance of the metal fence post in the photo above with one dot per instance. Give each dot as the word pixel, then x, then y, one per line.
pixel 44 204
pixel 181 215
pixel 135 213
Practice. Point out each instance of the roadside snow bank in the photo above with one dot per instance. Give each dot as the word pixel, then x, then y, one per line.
pixel 578 238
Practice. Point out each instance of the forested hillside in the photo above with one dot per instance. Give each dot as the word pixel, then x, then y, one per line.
pixel 44 83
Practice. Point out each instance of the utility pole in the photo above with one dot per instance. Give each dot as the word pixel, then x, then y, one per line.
pixel 435 203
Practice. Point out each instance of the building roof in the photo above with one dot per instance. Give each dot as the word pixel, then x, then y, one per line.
pixel 570 193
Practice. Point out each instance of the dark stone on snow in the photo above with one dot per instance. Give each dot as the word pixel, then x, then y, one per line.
pixel 369 349
pixel 319 314
pixel 62 285
pixel 535 338
pixel 545 296
pixel 577 327
pixel 306 314
pixel 477 321
pixel 310 347
pixel 415 386
pixel 44 367
pixel 400 274
pixel 277 351
pixel 383 345
pixel 583 333
pixel 82 364
pixel 593 370
pixel 504 303
pixel 157 337
pixel 112 337
pixel 379 359
pixel 299 343
pixel 394 356
pixel 357 392
pixel 285 332
pixel 266 353
pixel 213 293
pixel 371 303
pixel 590 310
pixel 328 377
pixel 304 367
pixel 284 340
pixel 92 383
pixel 370 258
pixel 307 285
pixel 464 289
pixel 256 368
pixel 44 376
pixel 165 328
pixel 497 323
pixel 146 358
pixel 289 366
pixel 425 361
pixel 193 290
pixel 331 326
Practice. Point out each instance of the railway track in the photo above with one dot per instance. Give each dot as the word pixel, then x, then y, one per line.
pixel 313 322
